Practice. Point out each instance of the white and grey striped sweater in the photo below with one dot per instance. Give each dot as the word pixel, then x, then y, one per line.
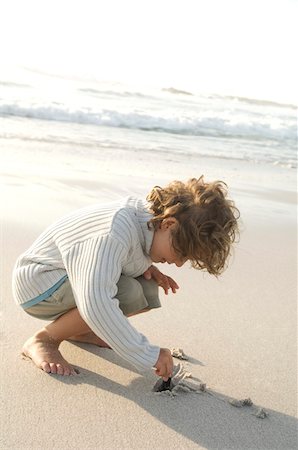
pixel 93 246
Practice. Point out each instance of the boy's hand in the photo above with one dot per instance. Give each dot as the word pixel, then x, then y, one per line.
pixel 162 280
pixel 164 365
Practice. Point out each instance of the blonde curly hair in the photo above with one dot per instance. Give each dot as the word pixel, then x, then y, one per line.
pixel 206 221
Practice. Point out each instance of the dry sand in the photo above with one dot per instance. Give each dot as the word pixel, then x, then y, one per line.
pixel 240 333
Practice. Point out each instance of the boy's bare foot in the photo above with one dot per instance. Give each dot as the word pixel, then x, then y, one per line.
pixel 43 350
pixel 89 338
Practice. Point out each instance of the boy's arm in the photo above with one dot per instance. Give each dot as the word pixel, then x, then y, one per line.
pixel 94 267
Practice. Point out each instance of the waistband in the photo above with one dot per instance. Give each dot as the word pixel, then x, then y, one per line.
pixel 45 295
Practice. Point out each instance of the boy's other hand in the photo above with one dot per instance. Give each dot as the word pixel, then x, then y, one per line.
pixel 161 279
pixel 164 365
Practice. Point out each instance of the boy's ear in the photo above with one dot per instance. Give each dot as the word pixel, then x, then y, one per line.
pixel 168 223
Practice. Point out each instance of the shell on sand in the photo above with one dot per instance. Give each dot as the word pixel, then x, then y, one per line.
pixel 179 353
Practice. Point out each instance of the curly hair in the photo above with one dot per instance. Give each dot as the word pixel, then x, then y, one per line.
pixel 206 221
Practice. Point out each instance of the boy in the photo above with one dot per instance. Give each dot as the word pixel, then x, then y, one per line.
pixel 91 270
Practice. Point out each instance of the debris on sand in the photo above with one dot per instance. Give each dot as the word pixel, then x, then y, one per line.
pixel 179 353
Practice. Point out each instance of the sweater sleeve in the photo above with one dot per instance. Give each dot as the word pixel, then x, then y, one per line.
pixel 94 268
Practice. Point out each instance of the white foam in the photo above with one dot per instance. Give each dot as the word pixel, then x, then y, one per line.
pixel 188 124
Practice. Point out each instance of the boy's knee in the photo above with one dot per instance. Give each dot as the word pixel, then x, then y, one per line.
pixel 137 294
pixel 149 287
pixel 130 295
pixel 128 287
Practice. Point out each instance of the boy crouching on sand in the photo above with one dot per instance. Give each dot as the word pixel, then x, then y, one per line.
pixel 92 269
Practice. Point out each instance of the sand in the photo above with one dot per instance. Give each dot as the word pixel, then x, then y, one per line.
pixel 239 332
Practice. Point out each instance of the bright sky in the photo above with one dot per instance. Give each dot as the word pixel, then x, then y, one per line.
pixel 238 47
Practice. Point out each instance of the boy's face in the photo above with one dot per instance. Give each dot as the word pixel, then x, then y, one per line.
pixel 161 249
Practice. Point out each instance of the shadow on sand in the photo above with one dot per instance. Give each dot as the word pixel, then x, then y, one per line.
pixel 202 418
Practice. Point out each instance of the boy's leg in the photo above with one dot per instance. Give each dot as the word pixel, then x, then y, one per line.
pixel 91 338
pixel 43 346
pixel 131 301
pixel 135 297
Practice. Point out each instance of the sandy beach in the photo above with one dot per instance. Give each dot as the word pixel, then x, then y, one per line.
pixel 239 331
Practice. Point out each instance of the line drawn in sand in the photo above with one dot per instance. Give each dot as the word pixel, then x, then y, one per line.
pixel 182 381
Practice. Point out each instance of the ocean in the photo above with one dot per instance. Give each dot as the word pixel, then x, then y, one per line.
pixel 54 109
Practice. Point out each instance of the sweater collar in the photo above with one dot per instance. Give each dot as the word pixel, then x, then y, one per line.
pixel 143 216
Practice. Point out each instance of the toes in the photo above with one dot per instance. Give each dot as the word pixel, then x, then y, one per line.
pixel 60 370
pixel 45 366
pixel 67 371
pixel 53 368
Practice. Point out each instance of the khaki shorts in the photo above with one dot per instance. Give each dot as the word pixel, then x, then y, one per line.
pixel 134 294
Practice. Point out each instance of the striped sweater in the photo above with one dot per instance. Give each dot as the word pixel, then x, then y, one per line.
pixel 93 246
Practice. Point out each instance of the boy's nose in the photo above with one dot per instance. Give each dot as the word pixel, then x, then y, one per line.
pixel 179 263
